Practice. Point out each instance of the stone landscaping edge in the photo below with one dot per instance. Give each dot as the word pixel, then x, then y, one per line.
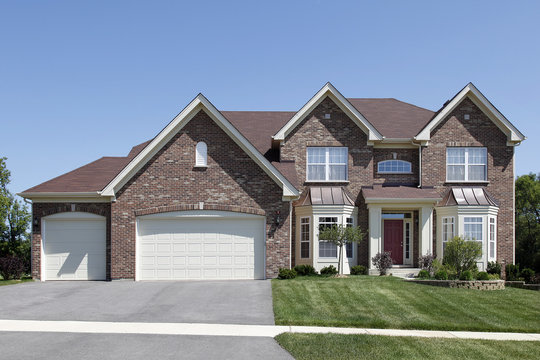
pixel 522 285
pixel 474 284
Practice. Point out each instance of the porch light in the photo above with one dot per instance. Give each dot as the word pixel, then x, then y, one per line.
pixel 278 218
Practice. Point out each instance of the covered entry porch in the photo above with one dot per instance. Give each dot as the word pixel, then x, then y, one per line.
pixel 400 222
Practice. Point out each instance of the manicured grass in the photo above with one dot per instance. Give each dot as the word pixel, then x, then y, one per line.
pixel 388 302
pixel 11 282
pixel 336 346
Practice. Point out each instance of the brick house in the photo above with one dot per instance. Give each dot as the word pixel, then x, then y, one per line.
pixel 240 194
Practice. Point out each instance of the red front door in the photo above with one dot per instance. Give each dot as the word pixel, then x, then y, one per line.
pixel 393 239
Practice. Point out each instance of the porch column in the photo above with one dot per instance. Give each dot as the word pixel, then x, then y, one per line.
pixel 375 236
pixel 426 230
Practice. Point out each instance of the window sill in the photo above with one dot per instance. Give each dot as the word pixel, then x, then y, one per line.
pixel 394 173
pixel 327 181
pixel 466 182
pixel 200 166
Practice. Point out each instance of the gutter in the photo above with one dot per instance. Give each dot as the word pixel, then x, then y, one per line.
pixel 31 232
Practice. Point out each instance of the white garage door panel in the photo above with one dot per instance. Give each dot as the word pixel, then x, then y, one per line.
pixel 195 248
pixel 74 249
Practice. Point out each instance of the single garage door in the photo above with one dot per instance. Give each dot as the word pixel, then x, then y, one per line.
pixel 74 246
pixel 200 245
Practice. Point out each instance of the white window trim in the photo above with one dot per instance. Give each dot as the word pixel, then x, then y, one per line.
pixel 466 165
pixel 393 172
pixel 452 222
pixel 309 236
pixel 201 158
pixel 327 164
pixel 494 241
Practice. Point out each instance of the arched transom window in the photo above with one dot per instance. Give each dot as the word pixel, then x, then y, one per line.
pixel 394 167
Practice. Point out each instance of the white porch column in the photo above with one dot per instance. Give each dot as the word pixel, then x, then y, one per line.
pixel 375 235
pixel 426 230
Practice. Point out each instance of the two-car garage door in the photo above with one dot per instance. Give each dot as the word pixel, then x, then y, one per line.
pixel 200 245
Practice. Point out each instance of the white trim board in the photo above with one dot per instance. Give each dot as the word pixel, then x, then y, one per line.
pixel 328 90
pixel 196 105
pixel 470 91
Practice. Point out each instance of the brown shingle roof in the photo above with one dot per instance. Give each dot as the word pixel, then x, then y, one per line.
pixel 393 118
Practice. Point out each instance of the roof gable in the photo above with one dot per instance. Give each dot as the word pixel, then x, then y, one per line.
pixel 470 91
pixel 199 103
pixel 330 91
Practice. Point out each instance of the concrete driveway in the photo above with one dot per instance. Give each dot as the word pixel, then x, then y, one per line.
pixel 220 302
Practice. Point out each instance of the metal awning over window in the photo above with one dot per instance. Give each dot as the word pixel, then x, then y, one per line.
pixel 324 195
pixel 468 196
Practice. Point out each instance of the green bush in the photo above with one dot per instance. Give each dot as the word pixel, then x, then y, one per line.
pixel 494 267
pixel 329 270
pixel 285 273
pixel 382 261
pixel 466 275
pixel 11 267
pixel 441 275
pixel 494 277
pixel 512 272
pixel 359 270
pixel 482 275
pixel 527 274
pixel 460 255
pixel 305 270
pixel 423 274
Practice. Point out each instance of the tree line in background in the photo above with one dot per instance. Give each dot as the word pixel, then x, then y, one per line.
pixel 528 221
pixel 14 225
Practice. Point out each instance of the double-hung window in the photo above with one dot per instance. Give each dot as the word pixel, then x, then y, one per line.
pixel 466 164
pixel 326 164
pixel 492 237
pixel 326 248
pixel 304 237
pixel 447 230
pixel 473 229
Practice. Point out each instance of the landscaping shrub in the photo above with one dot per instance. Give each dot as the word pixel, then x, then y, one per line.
pixel 461 255
pixel 426 263
pixel 494 267
pixel 527 274
pixel 482 275
pixel 329 270
pixel 305 270
pixel 11 267
pixel 359 270
pixel 423 274
pixel 466 275
pixel 441 275
pixel 285 273
pixel 494 277
pixel 383 262
pixel 512 272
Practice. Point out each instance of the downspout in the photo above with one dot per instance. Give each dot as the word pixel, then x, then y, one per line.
pixel 31 233
pixel 419 163
pixel 290 234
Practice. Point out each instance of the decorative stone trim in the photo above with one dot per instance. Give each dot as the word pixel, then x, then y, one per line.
pixel 205 206
pixel 522 285
pixel 475 284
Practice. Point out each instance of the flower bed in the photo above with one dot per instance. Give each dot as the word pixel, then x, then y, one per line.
pixel 474 284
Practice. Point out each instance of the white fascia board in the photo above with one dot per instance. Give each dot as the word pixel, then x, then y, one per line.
pixel 411 201
pixel 35 195
pixel 514 135
pixel 344 104
pixel 199 103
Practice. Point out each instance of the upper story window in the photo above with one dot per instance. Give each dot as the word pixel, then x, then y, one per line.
pixel 466 164
pixel 326 164
pixel 394 167
pixel 201 154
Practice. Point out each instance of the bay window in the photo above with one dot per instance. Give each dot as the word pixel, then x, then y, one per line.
pixel 326 248
pixel 304 237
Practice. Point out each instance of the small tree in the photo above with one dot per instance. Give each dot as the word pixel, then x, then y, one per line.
pixel 461 255
pixel 382 261
pixel 341 235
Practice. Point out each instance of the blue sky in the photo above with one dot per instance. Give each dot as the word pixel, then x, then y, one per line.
pixel 80 80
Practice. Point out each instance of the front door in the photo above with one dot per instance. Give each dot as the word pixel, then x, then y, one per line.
pixel 393 239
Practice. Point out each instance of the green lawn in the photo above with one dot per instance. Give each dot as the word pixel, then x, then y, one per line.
pixel 388 302
pixel 335 346
pixel 11 282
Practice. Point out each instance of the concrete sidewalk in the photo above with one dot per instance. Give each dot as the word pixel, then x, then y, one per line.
pixel 236 330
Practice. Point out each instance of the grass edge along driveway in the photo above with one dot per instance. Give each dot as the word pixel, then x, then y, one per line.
pixel 389 302
pixel 373 347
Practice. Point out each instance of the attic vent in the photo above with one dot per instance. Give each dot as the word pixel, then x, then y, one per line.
pixel 327 116
pixel 466 116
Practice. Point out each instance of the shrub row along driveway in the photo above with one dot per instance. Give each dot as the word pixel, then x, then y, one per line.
pixel 387 302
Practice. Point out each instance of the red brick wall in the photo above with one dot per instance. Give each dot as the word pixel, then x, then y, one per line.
pixel 339 130
pixel 40 210
pixel 478 131
pixel 232 179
